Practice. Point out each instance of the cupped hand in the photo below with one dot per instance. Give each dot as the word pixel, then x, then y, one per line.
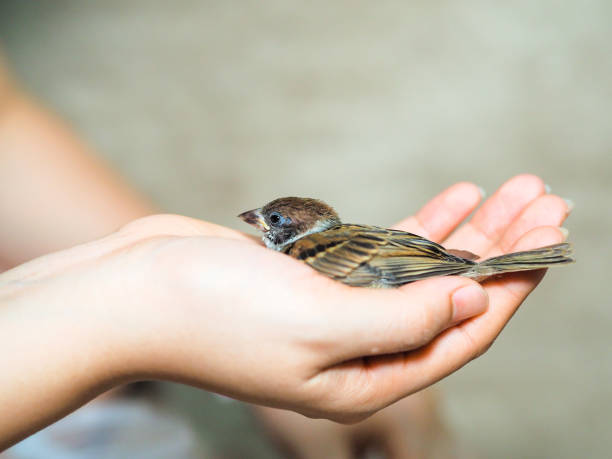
pixel 520 215
pixel 240 319
pixel 175 298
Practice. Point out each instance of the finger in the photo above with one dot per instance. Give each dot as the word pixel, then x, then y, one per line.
pixel 402 319
pixel 411 427
pixel 393 377
pixel 492 220
pixel 506 293
pixel 547 210
pixel 516 286
pixel 152 226
pixel 178 225
pixel 296 432
pixel 440 216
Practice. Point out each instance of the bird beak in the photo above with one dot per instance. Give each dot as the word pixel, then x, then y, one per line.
pixel 254 218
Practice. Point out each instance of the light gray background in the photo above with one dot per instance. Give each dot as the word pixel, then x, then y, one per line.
pixel 216 107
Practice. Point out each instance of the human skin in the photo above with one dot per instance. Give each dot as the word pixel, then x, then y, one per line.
pixel 49 175
pixel 169 297
pixel 409 428
pixel 394 429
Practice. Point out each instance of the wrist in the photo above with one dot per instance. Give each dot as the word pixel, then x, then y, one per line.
pixel 57 342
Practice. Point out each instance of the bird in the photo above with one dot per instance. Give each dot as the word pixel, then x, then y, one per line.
pixel 311 231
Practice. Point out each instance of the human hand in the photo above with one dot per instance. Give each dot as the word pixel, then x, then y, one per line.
pixel 190 301
pixel 266 329
pixel 412 427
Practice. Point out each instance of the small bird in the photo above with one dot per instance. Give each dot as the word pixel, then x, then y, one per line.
pixel 368 256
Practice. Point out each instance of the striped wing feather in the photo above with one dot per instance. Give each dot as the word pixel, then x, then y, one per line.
pixel 376 257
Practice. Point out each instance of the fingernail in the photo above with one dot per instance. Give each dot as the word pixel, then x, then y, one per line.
pixel 547 188
pixel 483 193
pixel 565 232
pixel 570 204
pixel 468 302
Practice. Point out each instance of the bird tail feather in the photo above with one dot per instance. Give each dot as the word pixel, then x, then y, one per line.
pixel 544 257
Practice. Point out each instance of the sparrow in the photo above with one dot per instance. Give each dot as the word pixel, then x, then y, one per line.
pixel 369 256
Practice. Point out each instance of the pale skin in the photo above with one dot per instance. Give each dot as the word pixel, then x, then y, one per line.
pixel 411 427
pixel 169 297
pixel 51 176
pixel 48 175
pixel 174 298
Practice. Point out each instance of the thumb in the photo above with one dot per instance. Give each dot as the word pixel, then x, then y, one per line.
pixel 375 322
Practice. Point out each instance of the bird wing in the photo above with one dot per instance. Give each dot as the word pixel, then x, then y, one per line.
pixel 371 256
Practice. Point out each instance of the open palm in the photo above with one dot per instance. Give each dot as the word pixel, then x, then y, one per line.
pixel 286 336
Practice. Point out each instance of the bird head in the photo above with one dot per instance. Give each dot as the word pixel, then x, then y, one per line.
pixel 286 220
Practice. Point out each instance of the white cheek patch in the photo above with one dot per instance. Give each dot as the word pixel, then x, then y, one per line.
pixel 269 243
pixel 320 226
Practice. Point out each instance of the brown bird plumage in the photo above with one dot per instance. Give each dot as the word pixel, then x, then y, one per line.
pixel 368 256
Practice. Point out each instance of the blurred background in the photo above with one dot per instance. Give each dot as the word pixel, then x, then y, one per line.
pixel 212 108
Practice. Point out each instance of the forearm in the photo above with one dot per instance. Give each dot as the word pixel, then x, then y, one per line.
pixel 57 346
pixel 55 193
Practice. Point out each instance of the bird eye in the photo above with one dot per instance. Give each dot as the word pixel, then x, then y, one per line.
pixel 275 218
